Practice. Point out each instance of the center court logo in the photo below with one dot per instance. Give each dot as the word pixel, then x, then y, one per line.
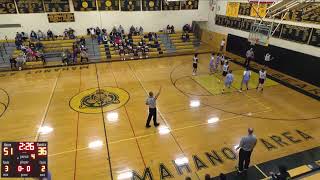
pixel 95 99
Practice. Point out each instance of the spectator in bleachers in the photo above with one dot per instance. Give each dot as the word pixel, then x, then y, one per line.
pixel 21 59
pixel 50 34
pixel 84 55
pixel 185 37
pixel 137 31
pixel 75 52
pixel 39 46
pixel 13 62
pixel 88 31
pixel 168 29
pixel 186 28
pixel 141 31
pixel 150 36
pixel 121 30
pixel 82 41
pixel 40 57
pixel 93 33
pixel 155 36
pixel 71 33
pixel 282 175
pixel 98 31
pixel 64 57
pixel 104 39
pixel 40 35
pixel 24 36
pixel 65 34
pixel 132 30
pixel 18 40
pixel 104 31
pixel 172 29
pixel 33 35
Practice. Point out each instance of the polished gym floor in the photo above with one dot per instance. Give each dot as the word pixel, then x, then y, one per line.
pixel 95 119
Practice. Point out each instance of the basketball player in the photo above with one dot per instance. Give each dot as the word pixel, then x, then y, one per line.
pixel 245 78
pixel 195 64
pixel 222 61
pixel 225 68
pixel 262 79
pixel 228 80
pixel 211 64
pixel 218 59
pixel 267 59
pixel 152 102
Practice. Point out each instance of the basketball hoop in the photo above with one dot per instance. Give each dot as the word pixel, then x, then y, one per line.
pixel 259 34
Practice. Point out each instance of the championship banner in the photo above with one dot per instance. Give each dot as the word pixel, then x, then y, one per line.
pixel 170 5
pixel 84 5
pixel 261 9
pixel 7 7
pixel 108 5
pixel 60 17
pixel 151 5
pixel 30 6
pixel 56 5
pixel 233 9
pixel 130 5
pixel 190 4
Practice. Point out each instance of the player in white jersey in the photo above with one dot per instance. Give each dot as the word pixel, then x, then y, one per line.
pixel 195 64
pixel 225 68
pixel 262 78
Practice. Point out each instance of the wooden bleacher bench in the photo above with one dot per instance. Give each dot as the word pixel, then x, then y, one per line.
pixel 312 177
pixel 33 63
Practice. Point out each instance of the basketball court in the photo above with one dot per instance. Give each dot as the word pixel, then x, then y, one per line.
pixel 199 127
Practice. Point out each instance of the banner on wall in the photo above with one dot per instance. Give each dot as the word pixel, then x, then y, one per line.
pixel 30 6
pixel 84 5
pixel 108 5
pixel 60 17
pixel 261 9
pixel 130 5
pixel 233 9
pixel 7 7
pixel 170 5
pixel 245 9
pixel 56 5
pixel 190 4
pixel 151 5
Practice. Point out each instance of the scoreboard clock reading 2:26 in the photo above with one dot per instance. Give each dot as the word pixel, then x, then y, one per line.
pixel 24 159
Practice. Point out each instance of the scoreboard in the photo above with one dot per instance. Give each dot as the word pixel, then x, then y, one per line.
pixel 24 159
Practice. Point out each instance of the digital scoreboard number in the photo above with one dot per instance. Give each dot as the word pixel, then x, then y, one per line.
pixel 24 159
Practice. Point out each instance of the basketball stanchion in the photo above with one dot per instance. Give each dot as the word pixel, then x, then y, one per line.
pixel 259 34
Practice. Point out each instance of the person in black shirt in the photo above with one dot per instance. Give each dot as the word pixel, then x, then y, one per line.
pixel 13 62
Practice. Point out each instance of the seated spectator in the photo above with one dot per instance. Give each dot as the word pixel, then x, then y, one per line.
pixel 99 39
pixel 130 36
pixel 114 29
pixel 186 28
pixel 141 31
pixel 21 59
pixel 183 37
pixel 168 29
pixel 172 29
pixel 104 31
pixel 50 34
pixel 82 41
pixel 40 57
pixel 64 57
pixel 71 33
pixel 75 52
pixel 13 62
pixel 65 34
pixel 104 39
pixel 137 31
pixel 121 30
pixel 88 31
pixel 150 36
pixel 98 31
pixel 93 33
pixel 24 36
pixel 155 36
pixel 39 46
pixel 282 175
pixel 84 55
pixel 141 43
pixel 33 36
pixel 187 37
pixel 40 35
pixel 132 30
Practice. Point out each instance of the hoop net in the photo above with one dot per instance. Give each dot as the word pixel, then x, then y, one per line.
pixel 259 34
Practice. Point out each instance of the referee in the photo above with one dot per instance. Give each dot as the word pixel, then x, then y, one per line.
pixel 246 147
pixel 152 102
